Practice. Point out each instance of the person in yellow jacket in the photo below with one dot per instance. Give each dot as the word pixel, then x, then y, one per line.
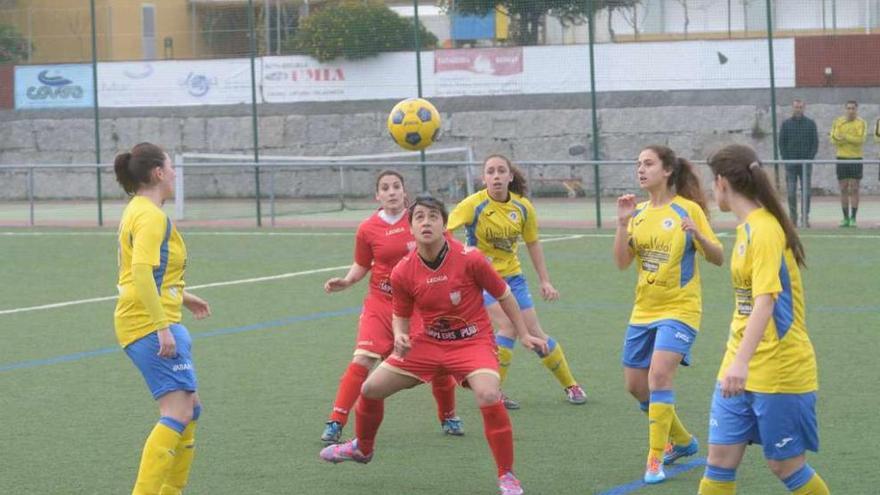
pixel 152 260
pixel 848 133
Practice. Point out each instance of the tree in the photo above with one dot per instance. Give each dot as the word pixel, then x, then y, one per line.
pixel 527 16
pixel 13 46
pixel 356 31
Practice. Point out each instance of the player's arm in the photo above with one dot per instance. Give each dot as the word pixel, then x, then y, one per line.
pixel 489 280
pixel 511 309
pixel 402 305
pixel 148 234
pixel 734 381
pixel 706 241
pixel 196 305
pixel 355 274
pixel 536 253
pixel 400 328
pixel 857 135
pixel 623 251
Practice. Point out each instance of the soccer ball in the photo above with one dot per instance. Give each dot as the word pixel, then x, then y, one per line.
pixel 414 124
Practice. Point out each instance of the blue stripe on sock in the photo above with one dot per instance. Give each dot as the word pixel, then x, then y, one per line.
pixel 799 478
pixel 551 344
pixel 644 405
pixel 716 473
pixel 197 411
pixel 503 341
pixel 664 396
pixel 173 424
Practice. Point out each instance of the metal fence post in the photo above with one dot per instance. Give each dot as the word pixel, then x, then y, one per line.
pixel 772 90
pixel 418 43
pixel 591 11
pixel 30 191
pixel 97 114
pixel 254 128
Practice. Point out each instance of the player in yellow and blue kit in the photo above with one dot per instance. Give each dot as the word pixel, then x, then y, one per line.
pixel 495 219
pixel 663 235
pixel 767 384
pixel 152 260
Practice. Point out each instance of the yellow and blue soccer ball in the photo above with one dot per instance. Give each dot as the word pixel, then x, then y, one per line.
pixel 414 124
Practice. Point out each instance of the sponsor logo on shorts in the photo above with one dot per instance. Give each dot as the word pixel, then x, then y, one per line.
pixel 182 367
pixel 683 337
pixel 782 443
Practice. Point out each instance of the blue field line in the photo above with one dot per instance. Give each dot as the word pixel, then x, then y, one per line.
pixel 78 356
pixel 670 473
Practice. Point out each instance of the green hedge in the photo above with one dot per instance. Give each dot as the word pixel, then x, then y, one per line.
pixel 356 31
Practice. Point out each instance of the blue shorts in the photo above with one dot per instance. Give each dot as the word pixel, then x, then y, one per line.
pixel 520 289
pixel 165 375
pixel 784 424
pixel 664 335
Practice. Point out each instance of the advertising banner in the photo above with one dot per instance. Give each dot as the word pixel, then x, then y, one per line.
pixel 53 86
pixel 171 83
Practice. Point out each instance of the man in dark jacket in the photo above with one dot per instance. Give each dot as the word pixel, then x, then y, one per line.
pixel 798 140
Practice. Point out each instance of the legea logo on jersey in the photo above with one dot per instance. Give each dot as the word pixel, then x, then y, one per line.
pixel 411 246
pixel 741 249
pixel 455 297
pixel 513 216
pixel 668 223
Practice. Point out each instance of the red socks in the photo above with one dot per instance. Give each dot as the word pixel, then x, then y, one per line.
pixel 369 413
pixel 499 434
pixel 443 387
pixel 349 391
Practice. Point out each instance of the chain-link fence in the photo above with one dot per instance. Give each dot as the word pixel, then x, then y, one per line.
pixel 566 87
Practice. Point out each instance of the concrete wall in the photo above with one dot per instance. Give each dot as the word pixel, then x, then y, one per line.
pixel 542 127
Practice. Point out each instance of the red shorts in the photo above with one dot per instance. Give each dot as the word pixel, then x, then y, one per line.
pixel 429 357
pixel 375 337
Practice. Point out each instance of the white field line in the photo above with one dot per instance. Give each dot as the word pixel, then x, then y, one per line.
pixel 219 284
pixel 546 239
pixel 193 287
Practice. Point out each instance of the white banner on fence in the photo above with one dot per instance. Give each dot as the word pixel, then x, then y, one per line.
pixel 476 71
pixel 300 78
pixel 661 66
pixel 175 83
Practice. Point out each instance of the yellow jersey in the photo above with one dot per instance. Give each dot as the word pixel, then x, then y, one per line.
pixel 495 227
pixel 147 236
pixel 848 136
pixel 669 276
pixel 784 361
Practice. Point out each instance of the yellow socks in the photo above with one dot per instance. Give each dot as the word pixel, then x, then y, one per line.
pixel 179 473
pixel 505 354
pixel 557 364
pixel 806 481
pixel 158 456
pixel 661 412
pixel 718 481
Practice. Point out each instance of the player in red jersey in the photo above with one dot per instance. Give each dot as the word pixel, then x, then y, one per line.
pixel 443 282
pixel 381 241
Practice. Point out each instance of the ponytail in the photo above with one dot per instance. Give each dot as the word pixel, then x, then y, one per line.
pixel 135 168
pixel 123 176
pixel 766 196
pixel 687 183
pixel 519 184
pixel 740 166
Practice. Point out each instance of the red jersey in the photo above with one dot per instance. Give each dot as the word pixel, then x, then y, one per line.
pixel 450 298
pixel 378 246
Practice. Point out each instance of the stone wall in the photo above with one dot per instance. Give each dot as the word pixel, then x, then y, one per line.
pixel 526 128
